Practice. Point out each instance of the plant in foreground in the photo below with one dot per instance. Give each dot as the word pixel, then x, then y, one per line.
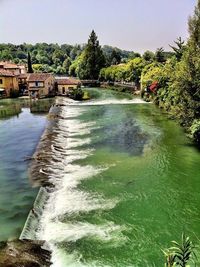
pixel 180 254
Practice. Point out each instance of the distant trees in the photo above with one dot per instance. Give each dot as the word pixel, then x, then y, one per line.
pixel 56 58
pixel 129 72
pixel 148 56
pixel 160 55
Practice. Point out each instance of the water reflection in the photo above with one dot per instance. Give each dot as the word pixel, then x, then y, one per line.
pixel 13 107
pixel 20 132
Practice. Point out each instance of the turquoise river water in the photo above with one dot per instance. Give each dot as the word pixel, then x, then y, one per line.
pixel 126 182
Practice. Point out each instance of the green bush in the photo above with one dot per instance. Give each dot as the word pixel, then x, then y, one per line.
pixel 195 130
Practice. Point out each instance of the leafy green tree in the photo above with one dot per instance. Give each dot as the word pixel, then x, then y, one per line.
pixel 30 69
pixel 134 70
pixel 148 56
pixel 66 64
pixel 115 57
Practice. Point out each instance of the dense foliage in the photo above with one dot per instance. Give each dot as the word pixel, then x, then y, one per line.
pixel 129 72
pixel 56 58
pixel 178 80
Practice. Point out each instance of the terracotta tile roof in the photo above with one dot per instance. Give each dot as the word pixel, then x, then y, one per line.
pixel 38 77
pixel 6 73
pixel 22 76
pixel 67 81
pixel 8 65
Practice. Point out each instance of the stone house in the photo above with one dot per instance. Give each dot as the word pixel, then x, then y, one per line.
pixel 40 84
pixel 65 85
pixel 8 83
pixel 14 68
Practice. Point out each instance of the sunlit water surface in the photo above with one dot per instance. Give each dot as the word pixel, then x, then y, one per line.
pixel 126 183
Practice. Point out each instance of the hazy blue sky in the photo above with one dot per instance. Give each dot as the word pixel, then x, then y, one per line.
pixel 129 24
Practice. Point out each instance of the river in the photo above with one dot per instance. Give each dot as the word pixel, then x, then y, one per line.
pixel 19 136
pixel 126 183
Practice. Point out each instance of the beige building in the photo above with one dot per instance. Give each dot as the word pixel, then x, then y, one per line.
pixel 40 84
pixel 8 83
pixel 14 68
pixel 65 85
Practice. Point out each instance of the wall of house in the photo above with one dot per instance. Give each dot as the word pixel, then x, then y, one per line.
pixel 9 83
pixel 35 84
pixel 64 89
pixel 44 88
pixel 49 84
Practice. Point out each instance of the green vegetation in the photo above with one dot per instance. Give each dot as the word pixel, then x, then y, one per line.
pixel 178 80
pixel 77 94
pixel 56 58
pixel 129 72
pixel 180 254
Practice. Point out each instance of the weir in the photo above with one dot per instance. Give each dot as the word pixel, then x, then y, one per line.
pixel 31 224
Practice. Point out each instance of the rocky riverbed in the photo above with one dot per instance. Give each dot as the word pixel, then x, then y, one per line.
pixel 24 253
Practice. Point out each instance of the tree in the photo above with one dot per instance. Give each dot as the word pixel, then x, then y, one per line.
pixel 148 56
pixel 30 69
pixel 194 26
pixel 93 59
pixel 66 64
pixel 159 55
pixel 115 57
pixel 179 50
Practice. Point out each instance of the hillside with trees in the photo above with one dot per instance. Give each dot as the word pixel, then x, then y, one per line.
pixel 56 58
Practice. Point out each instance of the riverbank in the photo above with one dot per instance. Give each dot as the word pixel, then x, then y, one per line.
pixel 24 253
pixel 182 113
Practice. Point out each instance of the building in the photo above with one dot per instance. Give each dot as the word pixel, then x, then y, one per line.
pixel 22 82
pixel 40 84
pixel 14 68
pixel 8 83
pixel 65 85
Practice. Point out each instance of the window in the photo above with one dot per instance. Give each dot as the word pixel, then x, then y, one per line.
pixel 1 81
pixel 36 83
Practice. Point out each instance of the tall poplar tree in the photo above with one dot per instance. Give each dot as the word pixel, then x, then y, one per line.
pixel 30 69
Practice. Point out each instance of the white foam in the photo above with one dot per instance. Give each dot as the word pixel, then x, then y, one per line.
pixel 110 102
pixel 56 231
pixel 65 199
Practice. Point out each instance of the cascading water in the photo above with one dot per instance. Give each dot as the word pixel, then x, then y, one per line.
pixel 102 201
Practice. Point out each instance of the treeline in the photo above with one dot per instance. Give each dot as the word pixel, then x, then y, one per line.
pixel 56 58
pixel 131 71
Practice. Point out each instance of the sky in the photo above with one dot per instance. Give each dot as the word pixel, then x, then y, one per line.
pixel 137 25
